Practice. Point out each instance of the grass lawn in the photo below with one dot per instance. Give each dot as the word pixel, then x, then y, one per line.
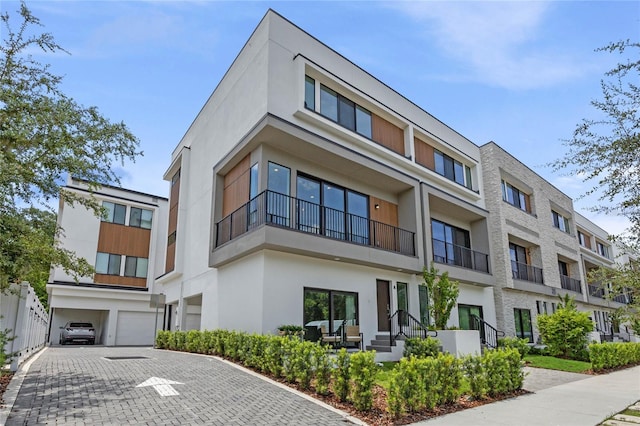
pixel 553 363
pixel 384 374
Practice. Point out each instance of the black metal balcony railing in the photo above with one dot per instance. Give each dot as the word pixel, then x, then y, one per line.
pixel 569 283
pixel 522 271
pixel 596 291
pixel 454 254
pixel 275 209
pixel 621 298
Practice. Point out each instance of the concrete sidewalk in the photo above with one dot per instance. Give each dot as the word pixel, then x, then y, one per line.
pixel 581 402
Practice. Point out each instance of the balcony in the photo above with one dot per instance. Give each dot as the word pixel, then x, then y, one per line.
pixel 621 298
pixel 596 290
pixel 453 254
pixel 569 283
pixel 275 209
pixel 522 271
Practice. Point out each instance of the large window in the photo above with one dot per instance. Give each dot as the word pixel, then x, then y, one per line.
pixel 563 268
pixel 602 249
pixel 140 218
pixel 332 210
pixel 465 318
pixel 115 213
pixel 329 309
pixel 278 184
pixel 515 197
pixel 560 222
pixel 523 323
pixel 450 244
pixel 135 267
pixel 345 112
pixel 452 169
pixel 108 264
pixel 423 297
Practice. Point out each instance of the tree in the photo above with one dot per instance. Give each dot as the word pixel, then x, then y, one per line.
pixel 565 332
pixel 624 280
pixel 44 137
pixel 606 150
pixel 443 295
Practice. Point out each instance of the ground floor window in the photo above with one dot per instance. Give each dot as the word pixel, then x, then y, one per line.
pixel 330 309
pixel 523 323
pixel 424 304
pixel 465 318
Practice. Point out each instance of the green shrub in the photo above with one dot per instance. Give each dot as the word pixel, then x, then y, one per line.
pixel 323 366
pixel 421 348
pixel 407 390
pixel 565 332
pixel 341 385
pixel 474 368
pixel 449 371
pixel 363 371
pixel 303 362
pixel 612 355
pixel 193 340
pixel 504 370
pixel 273 356
pixel 162 339
pixel 289 359
pixel 522 345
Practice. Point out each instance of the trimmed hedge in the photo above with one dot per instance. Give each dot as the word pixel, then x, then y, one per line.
pixel 421 348
pixel 612 355
pixel 306 363
pixel 522 345
pixel 419 383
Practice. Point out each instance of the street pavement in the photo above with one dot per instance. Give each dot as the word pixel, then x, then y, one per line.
pixel 77 385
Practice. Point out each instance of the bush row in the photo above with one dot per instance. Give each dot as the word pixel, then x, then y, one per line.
pixel 421 347
pixel 612 355
pixel 351 376
pixel 418 383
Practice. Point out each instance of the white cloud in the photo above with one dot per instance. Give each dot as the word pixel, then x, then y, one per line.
pixel 496 41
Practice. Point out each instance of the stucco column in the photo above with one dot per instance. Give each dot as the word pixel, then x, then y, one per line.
pixel 111 328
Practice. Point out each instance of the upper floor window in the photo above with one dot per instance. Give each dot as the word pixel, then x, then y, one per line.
pixel 515 197
pixel 450 244
pixel 175 178
pixel 115 213
pixel 602 249
pixel 344 111
pixel 136 267
pixel 452 169
pixel 582 239
pixel 108 264
pixel 309 93
pixel 140 218
pixel 560 222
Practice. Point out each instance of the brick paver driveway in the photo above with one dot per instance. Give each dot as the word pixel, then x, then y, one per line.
pixel 79 385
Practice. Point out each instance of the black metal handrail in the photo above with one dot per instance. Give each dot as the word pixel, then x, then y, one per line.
pixel 275 209
pixel 569 283
pixel 402 323
pixel 457 255
pixel 522 271
pixel 488 334
pixel 596 290
pixel 620 298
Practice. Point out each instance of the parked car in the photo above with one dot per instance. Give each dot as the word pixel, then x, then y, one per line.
pixel 78 332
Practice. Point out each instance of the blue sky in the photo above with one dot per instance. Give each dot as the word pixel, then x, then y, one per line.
pixel 518 73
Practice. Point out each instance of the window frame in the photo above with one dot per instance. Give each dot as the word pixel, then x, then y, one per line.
pixel 448 169
pixel 140 219
pixel 136 261
pixel 109 257
pixel 518 197
pixel 342 102
pixel 111 212
pixel 560 222
pixel 519 324
pixel 331 308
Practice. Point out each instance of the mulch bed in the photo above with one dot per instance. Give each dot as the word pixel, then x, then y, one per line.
pixel 4 382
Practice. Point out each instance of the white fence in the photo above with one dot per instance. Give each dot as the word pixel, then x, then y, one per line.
pixel 22 313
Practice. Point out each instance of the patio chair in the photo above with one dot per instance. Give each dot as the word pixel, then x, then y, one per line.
pixel 353 335
pixel 333 339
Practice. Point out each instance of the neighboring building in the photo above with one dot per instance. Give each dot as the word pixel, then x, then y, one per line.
pixel 308 192
pixel 541 247
pixel 126 248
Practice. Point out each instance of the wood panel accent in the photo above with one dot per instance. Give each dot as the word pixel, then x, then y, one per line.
pixel 236 186
pixel 127 240
pixel 424 154
pixel 587 241
pixel 120 280
pixel 173 220
pixel 171 258
pixel 386 213
pixel 387 134
pixel 527 203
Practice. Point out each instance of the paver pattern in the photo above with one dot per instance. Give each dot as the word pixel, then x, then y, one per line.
pixel 76 385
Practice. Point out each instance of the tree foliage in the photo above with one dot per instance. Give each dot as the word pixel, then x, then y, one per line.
pixel 443 294
pixel 623 280
pixel 565 332
pixel 606 150
pixel 45 136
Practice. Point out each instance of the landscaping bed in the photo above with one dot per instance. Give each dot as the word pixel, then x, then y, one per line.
pixel 5 378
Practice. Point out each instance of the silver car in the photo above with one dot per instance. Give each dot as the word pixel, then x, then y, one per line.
pixel 78 332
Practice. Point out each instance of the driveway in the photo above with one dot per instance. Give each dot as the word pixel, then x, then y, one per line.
pixel 100 385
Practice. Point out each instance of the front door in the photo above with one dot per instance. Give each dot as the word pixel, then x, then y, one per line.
pixel 384 301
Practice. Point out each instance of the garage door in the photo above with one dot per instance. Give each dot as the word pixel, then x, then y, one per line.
pixel 135 328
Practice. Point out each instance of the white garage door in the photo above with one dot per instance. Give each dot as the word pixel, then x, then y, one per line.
pixel 135 328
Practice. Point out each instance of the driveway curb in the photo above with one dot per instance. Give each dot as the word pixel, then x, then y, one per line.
pixel 15 384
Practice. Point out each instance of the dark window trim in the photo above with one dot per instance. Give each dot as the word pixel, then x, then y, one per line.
pixel 331 293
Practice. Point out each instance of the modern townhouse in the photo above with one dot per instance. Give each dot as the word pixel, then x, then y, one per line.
pixel 541 248
pixel 127 249
pixel 306 191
